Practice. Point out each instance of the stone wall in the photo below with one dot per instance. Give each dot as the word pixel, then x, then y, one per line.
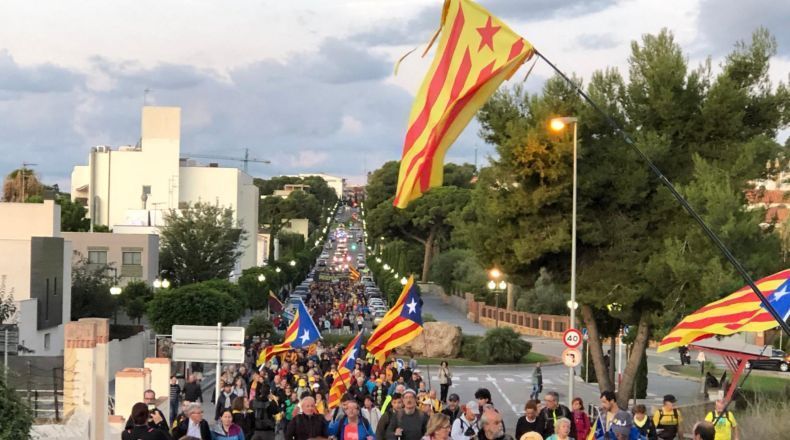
pixel 128 353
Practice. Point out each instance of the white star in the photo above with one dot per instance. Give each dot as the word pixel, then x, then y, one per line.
pixel 780 293
pixel 352 354
pixel 305 337
pixel 412 306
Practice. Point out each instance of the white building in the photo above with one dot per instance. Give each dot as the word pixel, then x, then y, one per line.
pixel 36 268
pixel 130 188
pixel 334 182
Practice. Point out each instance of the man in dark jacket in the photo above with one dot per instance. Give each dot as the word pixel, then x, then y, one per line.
pixel 156 419
pixel 409 423
pixel 552 411
pixel 194 425
pixel 192 390
pixel 140 429
pixel 453 409
pixel 308 424
pixel 265 411
pixel 226 397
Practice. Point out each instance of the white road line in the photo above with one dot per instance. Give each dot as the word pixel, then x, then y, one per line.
pixel 509 379
pixel 472 379
pixel 504 396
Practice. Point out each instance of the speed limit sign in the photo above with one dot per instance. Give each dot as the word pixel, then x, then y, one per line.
pixel 572 338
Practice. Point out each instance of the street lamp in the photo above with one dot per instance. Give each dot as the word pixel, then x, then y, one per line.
pixel 292 263
pixel 496 287
pixel 261 278
pixel 378 260
pixel 386 266
pixel 557 125
pixel 403 281
pixel 161 284
pixel 277 269
pixel 115 290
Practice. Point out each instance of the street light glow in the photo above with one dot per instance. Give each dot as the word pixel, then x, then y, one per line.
pixel 115 290
pixel 157 283
pixel 558 124
pixel 278 270
pixel 403 281
pixel 261 278
pixel 495 273
pixel 386 266
pixel 492 285
pixel 292 263
pixel 165 283
pixel 502 285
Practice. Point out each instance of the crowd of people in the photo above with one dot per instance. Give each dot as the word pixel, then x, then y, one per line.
pixel 287 398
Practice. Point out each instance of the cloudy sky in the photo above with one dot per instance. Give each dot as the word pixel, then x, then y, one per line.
pixel 307 84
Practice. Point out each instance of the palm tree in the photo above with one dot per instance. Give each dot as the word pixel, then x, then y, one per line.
pixel 20 184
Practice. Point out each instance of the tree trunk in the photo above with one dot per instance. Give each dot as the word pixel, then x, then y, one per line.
pixel 612 361
pixel 596 350
pixel 640 343
pixel 428 257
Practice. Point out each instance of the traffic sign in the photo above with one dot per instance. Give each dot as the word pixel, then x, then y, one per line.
pixel 207 334
pixel 584 333
pixel 571 357
pixel 208 353
pixel 572 338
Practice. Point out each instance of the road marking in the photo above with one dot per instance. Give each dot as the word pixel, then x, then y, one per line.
pixel 509 379
pixel 504 396
pixel 472 379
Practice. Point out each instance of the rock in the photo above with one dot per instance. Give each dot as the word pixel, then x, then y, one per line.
pixel 438 340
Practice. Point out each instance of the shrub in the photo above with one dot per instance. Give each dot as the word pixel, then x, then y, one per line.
pixel 260 326
pixel 226 286
pixel 502 345
pixel 193 304
pixel 469 346
pixel 427 317
pixel 16 416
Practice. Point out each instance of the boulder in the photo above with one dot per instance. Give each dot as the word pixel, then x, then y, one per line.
pixel 438 340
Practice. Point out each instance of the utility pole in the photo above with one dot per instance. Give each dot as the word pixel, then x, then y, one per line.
pixel 24 178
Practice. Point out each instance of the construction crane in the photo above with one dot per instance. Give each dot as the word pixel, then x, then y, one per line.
pixel 246 159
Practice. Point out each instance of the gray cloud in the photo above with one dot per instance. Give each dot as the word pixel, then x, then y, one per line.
pixel 596 41
pixel 419 28
pixel 292 112
pixel 44 78
pixel 724 22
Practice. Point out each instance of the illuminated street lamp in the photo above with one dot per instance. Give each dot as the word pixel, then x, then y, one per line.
pixel 292 263
pixel 115 290
pixel 261 278
pixel 403 281
pixel 496 286
pixel 386 266
pixel 278 270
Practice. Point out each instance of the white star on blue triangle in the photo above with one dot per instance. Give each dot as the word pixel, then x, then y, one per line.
pixel 780 300
pixel 412 306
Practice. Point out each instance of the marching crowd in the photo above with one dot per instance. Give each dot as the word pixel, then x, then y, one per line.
pixel 287 398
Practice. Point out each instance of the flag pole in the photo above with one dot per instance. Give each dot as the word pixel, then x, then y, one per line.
pixel 683 202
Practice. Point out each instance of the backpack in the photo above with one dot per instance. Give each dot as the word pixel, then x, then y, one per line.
pixel 713 416
pixel 667 432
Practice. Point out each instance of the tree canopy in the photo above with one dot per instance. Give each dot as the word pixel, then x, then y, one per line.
pixel 194 304
pixel 200 243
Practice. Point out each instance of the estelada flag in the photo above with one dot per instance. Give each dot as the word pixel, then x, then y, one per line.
pixel 347 363
pixel 476 53
pixel 274 303
pixel 401 324
pixel 300 334
pixel 741 311
pixel 353 273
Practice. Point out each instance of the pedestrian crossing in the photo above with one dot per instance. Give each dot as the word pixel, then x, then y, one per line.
pixel 508 379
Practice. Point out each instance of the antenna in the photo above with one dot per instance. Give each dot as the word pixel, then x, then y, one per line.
pixel 245 160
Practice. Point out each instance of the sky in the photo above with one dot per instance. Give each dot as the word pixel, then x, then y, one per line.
pixel 306 84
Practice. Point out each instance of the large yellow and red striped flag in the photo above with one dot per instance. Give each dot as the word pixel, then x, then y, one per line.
pixel 476 53
pixel 401 324
pixel 301 333
pixel 348 362
pixel 741 311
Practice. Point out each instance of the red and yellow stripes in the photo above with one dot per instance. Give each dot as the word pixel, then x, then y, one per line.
pixel 474 57
pixel 394 329
pixel 290 336
pixel 738 312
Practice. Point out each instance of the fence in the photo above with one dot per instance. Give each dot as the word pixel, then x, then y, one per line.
pixel 41 389
pixel 12 332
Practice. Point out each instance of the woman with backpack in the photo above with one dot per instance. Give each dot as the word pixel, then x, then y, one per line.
pixel 646 427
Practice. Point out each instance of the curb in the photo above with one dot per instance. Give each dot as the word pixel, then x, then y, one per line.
pixel 663 371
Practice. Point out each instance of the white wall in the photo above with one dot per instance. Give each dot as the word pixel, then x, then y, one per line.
pixel 127 353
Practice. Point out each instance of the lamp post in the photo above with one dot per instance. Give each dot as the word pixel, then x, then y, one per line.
pixel 557 125
pixel 496 286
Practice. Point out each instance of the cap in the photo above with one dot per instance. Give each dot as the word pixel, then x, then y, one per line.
pixel 622 422
pixel 409 391
pixel 302 383
pixel 473 406
pixel 453 398
pixel 670 398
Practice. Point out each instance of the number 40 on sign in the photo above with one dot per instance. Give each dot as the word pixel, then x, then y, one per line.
pixel 572 338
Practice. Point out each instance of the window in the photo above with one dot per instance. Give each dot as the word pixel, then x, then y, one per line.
pixel 132 259
pixel 46 341
pixel 97 257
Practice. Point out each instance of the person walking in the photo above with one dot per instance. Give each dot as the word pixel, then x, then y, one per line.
pixel 643 423
pixel 370 412
pixel 308 424
pixel 408 423
pixel 438 428
pixel 562 430
pixel 175 397
pixel 351 426
pixel 445 380
pixel 395 404
pixel 140 429
pixel 224 400
pixel 581 421
pixel 537 382
pixel 723 422
pixel 195 425
pixel 551 412
pixel 453 409
pixel 668 419
pixel 529 421
pixel 243 416
pixel 465 426
pixel 225 429
pixel 192 390
pixel 265 409
pixel 491 426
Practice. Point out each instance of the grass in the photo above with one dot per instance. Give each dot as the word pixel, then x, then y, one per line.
pixel 533 357
pixel 756 382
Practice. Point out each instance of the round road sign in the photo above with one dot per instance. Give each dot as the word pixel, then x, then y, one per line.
pixel 571 357
pixel 572 338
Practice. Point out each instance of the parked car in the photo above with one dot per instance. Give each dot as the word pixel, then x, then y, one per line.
pixel 779 360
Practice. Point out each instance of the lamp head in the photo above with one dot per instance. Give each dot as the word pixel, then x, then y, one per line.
pixel 558 124
pixel 495 273
pixel 115 290
pixel 261 278
pixel 492 285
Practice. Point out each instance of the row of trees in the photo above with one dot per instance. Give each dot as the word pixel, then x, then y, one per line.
pixel 641 259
